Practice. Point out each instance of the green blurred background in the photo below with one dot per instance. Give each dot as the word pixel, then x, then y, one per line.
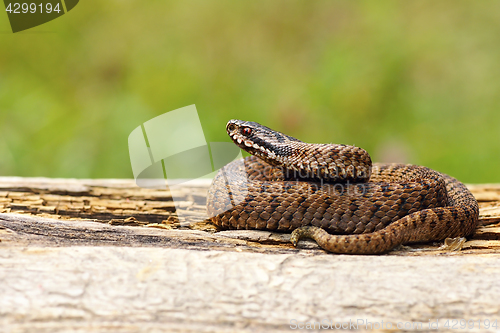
pixel 409 81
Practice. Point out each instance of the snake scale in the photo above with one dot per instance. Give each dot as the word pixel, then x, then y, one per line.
pixel 334 195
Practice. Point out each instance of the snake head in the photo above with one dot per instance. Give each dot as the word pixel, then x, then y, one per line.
pixel 260 140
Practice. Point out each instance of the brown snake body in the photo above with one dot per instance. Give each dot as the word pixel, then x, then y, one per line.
pixel 334 195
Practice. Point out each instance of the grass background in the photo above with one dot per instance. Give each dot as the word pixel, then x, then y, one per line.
pixel 409 81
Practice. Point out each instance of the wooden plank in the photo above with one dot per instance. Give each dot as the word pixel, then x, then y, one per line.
pixel 104 255
pixel 109 289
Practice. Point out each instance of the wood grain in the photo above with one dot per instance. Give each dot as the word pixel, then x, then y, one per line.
pixel 107 256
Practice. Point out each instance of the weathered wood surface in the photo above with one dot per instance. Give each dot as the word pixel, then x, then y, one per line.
pixel 107 256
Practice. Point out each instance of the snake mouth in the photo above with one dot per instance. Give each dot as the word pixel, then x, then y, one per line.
pixel 243 142
pixel 246 136
pixel 241 134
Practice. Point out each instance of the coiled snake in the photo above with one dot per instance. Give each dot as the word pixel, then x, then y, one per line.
pixel 334 195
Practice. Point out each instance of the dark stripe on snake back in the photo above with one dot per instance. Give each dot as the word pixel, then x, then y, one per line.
pixel 333 194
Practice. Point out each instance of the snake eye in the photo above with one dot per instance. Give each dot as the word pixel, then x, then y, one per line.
pixel 246 131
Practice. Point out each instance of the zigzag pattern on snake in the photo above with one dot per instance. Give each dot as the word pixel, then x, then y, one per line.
pixel 334 195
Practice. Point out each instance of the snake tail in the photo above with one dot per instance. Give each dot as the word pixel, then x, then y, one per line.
pixel 422 226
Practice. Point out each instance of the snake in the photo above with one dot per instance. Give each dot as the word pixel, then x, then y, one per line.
pixel 334 195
